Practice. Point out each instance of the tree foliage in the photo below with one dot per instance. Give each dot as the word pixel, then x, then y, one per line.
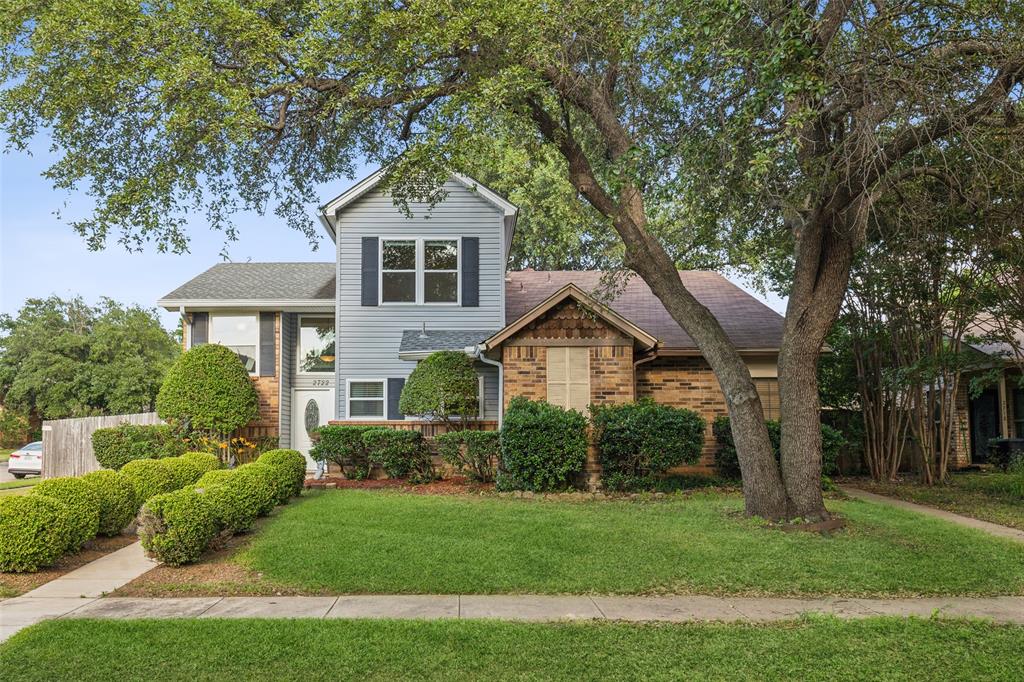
pixel 64 358
pixel 209 391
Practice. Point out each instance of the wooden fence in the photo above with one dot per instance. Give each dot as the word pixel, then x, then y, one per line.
pixel 67 443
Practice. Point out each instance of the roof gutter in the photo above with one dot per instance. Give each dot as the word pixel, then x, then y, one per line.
pixel 477 352
pixel 328 227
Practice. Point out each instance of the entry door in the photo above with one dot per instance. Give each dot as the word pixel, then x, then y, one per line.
pixel 984 423
pixel 310 408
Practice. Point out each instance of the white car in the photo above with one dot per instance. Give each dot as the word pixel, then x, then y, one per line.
pixel 28 459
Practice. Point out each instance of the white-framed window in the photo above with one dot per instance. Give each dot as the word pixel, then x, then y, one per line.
pixel 315 344
pixel 241 333
pixel 420 270
pixel 568 370
pixel 367 398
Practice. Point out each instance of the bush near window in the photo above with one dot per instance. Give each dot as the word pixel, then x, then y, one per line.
pixel 149 477
pixel 402 454
pixel 82 502
pixel 638 441
pixel 115 446
pixel 475 452
pixel 207 389
pixel 118 504
pixel 176 527
pixel 443 387
pixel 542 446
pixel 260 485
pixel 204 460
pixel 344 446
pixel 34 532
pixel 291 465
pixel 727 463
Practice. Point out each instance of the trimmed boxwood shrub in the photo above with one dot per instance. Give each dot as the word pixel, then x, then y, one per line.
pixel 290 464
pixel 728 464
pixel 184 471
pixel 117 445
pixel 149 477
pixel 344 446
pixel 233 507
pixel 542 446
pixel 259 484
pixel 208 389
pixel 82 502
pixel 402 454
pixel 118 504
pixel 34 532
pixel 638 441
pixel 204 460
pixel 475 452
pixel 443 386
pixel 214 477
pixel 176 527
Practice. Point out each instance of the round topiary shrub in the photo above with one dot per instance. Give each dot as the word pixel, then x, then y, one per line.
pixel 183 471
pixel 176 527
pixel 149 477
pixel 443 386
pixel 234 509
pixel 290 464
pixel 542 446
pixel 208 389
pixel 34 532
pixel 118 504
pixel 259 484
pixel 204 460
pixel 115 446
pixel 215 477
pixel 82 502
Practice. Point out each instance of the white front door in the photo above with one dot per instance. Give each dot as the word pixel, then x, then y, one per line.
pixel 311 407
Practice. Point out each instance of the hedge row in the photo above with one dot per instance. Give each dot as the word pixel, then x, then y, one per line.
pixel 727 462
pixel 357 449
pixel 177 527
pixel 59 515
pixel 115 446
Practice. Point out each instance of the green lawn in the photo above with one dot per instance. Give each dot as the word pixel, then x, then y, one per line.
pixel 5 453
pixel 983 495
pixel 819 648
pixel 374 542
pixel 23 483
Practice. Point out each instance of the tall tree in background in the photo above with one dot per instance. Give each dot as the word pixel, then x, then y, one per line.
pixel 756 129
pixel 63 358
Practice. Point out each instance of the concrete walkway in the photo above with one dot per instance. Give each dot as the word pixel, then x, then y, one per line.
pixel 985 526
pixel 23 611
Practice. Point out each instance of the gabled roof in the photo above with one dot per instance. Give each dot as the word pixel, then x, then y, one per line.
pixel 330 210
pixel 256 284
pixel 750 324
pixel 586 300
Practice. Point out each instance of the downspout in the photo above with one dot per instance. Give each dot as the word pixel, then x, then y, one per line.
pixel 637 363
pixel 478 353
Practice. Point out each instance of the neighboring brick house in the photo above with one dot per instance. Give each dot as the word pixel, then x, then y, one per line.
pixel 335 341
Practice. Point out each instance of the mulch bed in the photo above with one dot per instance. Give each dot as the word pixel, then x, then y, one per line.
pixel 14 584
pixel 455 485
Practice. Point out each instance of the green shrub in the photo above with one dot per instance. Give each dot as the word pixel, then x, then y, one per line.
pixel 443 386
pixel 208 389
pixel 34 532
pixel 402 454
pixel 176 527
pixel 639 441
pixel 475 452
pixel 344 446
pixel 727 462
pixel 118 504
pixel 14 429
pixel 82 502
pixel 542 446
pixel 259 484
pixel 184 471
pixel 149 477
pixel 204 460
pixel 214 477
pixel 117 445
pixel 232 506
pixel 290 464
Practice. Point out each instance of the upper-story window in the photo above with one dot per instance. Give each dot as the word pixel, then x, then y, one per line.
pixel 316 344
pixel 240 333
pixel 419 271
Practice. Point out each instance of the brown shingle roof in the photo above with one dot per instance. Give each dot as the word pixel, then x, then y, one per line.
pixel 748 322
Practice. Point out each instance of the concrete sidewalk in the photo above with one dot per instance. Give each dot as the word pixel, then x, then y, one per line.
pixel 23 611
pixel 967 521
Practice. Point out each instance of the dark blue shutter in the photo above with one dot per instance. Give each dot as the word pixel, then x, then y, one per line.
pixel 370 271
pixel 471 272
pixel 200 328
pixel 395 387
pixel 268 357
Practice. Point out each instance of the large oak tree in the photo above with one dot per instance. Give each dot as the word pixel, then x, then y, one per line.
pixel 755 127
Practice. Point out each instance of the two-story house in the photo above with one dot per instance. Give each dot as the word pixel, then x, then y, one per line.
pixel 336 341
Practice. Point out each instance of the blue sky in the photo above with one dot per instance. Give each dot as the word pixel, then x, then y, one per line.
pixel 41 255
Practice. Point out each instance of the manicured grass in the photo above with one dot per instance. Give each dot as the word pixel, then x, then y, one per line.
pixel 23 483
pixel 5 453
pixel 819 648
pixel 988 496
pixel 373 542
